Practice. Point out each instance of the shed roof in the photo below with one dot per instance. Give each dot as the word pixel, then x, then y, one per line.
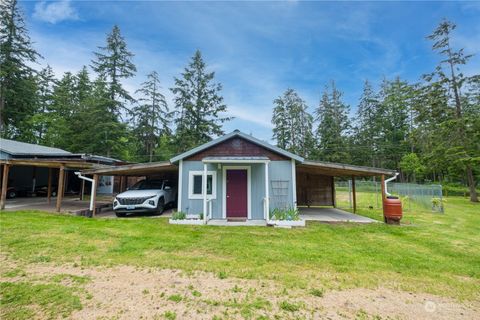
pixel 137 169
pixel 340 169
pixel 240 134
pixel 17 148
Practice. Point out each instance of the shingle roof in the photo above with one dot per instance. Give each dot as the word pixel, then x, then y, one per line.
pixel 16 148
pixel 236 133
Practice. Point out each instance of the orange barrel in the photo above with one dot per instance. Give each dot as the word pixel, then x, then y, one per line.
pixel 392 210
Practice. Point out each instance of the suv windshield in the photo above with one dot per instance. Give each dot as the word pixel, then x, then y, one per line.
pixel 147 185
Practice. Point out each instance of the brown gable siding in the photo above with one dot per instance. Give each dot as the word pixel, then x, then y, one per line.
pixel 237 147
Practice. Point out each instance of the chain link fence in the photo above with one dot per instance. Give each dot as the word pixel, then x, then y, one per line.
pixel 369 195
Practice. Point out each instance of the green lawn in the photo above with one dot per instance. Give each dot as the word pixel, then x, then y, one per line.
pixel 433 253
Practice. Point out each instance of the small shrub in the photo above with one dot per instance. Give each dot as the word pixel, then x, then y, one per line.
pixel 317 292
pixel 179 215
pixel 196 293
pixel 175 298
pixel 170 315
pixel 285 214
pixel 287 306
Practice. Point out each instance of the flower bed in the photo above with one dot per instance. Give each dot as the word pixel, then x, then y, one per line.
pixel 183 218
pixel 286 218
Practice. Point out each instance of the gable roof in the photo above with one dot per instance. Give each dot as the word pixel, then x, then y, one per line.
pixel 16 148
pixel 233 134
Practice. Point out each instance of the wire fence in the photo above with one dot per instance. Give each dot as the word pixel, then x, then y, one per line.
pixel 369 195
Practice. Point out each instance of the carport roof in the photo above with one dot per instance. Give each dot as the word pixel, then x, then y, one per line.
pixel 137 169
pixel 50 163
pixel 340 169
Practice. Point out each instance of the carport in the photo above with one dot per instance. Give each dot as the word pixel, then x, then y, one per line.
pixel 159 170
pixel 61 166
pixel 315 184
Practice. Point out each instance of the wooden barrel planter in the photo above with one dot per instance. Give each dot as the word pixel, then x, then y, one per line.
pixel 392 210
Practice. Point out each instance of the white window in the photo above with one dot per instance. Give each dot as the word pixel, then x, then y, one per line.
pixel 195 185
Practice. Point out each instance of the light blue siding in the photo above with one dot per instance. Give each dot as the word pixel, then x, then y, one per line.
pixel 278 171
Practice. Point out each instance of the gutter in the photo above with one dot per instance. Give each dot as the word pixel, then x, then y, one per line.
pixel 388 180
pixel 79 175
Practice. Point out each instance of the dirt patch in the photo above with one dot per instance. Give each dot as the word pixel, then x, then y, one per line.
pixel 126 292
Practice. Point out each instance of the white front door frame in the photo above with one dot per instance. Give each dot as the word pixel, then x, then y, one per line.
pixel 249 189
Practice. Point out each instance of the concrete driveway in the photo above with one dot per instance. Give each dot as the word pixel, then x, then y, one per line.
pixel 331 215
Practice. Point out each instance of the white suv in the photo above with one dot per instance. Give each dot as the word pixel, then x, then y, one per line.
pixel 145 196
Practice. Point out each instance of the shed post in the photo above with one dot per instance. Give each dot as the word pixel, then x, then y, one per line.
pixel 82 189
pixel 93 201
pixel 204 189
pixel 122 184
pixel 383 187
pixel 334 197
pixel 354 195
pixel 49 186
pixel 61 178
pixel 3 197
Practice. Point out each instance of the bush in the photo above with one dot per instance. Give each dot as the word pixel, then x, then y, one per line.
pixel 179 215
pixel 284 214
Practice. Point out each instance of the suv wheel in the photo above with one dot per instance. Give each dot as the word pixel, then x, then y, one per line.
pixel 160 205
pixel 11 194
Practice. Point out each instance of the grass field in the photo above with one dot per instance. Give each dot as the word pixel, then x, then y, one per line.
pixel 431 253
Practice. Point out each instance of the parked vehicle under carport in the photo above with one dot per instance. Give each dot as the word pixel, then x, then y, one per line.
pixel 146 196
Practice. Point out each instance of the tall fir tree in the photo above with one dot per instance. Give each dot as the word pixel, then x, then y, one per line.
pixel 114 63
pixel 152 116
pixel 39 121
pixel 17 81
pixel 448 73
pixel 333 127
pixel 367 128
pixel 198 105
pixel 292 124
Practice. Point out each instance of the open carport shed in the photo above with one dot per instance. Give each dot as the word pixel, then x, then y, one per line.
pixel 315 181
pixel 52 164
pixel 163 169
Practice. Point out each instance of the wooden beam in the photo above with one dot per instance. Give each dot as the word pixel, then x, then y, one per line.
pixel 382 181
pixel 334 196
pixel 49 186
pixel 354 192
pixel 3 197
pixel 61 178
pixel 94 194
pixel 122 184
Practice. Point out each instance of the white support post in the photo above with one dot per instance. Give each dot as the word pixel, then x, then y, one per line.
pixel 180 185
pixel 294 184
pixel 267 196
pixel 204 191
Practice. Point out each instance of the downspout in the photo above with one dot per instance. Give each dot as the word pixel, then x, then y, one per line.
pixel 388 180
pixel 79 174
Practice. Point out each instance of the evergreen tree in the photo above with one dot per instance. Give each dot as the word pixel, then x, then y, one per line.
pixel 152 116
pixel 448 74
pixel 114 63
pixel 17 82
pixel 199 105
pixel 333 127
pixel 292 124
pixel 367 127
pixel 39 121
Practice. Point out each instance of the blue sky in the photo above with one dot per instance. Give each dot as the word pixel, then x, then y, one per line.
pixel 258 49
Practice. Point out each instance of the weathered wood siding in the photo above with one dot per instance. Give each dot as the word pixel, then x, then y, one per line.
pixel 314 189
pixel 237 147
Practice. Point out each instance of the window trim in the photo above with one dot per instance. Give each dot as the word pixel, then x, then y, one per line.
pixel 191 195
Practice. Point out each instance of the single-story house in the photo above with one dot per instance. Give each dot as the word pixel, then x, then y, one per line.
pixel 239 177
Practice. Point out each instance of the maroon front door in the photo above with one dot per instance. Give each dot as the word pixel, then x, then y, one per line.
pixel 237 201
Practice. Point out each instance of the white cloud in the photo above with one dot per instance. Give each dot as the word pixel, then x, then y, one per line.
pixel 54 12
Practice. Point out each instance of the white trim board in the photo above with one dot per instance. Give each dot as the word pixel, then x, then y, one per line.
pixel 190 184
pixel 249 189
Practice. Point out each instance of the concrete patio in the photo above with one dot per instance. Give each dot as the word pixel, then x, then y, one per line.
pixel 331 215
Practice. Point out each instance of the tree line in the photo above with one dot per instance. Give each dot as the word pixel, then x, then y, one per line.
pixel 429 130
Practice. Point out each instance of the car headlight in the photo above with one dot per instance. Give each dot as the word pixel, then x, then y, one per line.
pixel 115 203
pixel 151 202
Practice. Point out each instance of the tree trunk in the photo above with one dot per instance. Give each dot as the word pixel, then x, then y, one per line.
pixel 471 185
